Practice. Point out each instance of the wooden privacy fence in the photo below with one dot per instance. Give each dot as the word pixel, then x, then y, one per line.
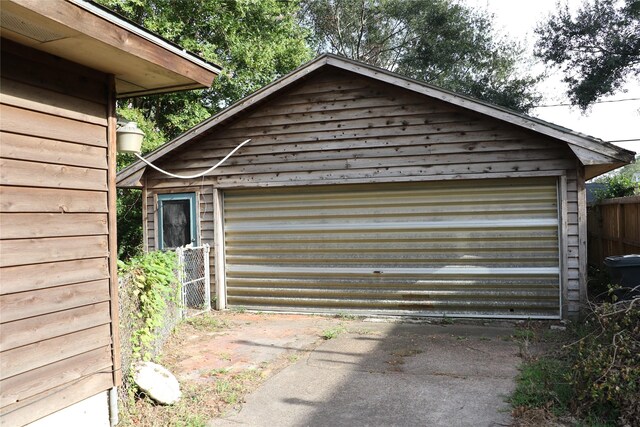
pixel 613 228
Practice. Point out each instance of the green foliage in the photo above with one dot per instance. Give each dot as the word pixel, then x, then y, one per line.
pixel 129 200
pixel 591 371
pixel 606 370
pixel 598 48
pixel 333 332
pixel 543 383
pixel 207 322
pixel 153 284
pixel 253 41
pixel 436 41
pixel 617 186
pixel 524 334
pixel 345 316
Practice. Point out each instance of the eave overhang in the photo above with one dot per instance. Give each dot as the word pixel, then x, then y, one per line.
pixel 85 33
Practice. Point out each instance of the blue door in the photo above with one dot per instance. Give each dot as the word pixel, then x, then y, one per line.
pixel 177 220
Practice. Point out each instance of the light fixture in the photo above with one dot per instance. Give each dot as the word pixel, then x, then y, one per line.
pixel 129 138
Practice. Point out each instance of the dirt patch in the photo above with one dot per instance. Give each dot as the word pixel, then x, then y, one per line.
pixel 219 358
pixel 527 417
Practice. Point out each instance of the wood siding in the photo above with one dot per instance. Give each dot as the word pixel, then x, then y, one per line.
pixel 55 199
pixel 337 127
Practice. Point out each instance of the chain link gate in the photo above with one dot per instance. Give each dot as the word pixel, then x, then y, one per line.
pixel 193 273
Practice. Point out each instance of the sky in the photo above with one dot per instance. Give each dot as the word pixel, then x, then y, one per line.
pixel 609 121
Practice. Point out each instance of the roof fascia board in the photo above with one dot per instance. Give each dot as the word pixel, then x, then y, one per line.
pixel 481 107
pixel 106 29
pixel 592 171
pixel 156 91
pixel 145 34
pixel 134 180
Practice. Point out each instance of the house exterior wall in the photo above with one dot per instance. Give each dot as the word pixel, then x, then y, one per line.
pixel 58 302
pixel 336 127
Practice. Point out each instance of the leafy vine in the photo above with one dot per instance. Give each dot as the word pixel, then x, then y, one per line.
pixel 153 283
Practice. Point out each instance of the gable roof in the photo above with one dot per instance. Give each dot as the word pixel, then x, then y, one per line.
pixel 86 33
pixel 599 156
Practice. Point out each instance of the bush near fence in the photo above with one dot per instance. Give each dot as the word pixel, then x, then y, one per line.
pixel 131 321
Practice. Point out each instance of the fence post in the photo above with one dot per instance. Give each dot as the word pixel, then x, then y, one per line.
pixel 207 278
pixel 180 254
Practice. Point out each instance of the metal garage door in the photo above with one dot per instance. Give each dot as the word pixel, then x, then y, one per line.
pixel 486 248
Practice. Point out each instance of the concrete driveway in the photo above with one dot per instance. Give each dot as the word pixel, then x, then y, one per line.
pixel 384 374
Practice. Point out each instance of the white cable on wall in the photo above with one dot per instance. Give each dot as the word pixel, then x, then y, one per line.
pixel 196 175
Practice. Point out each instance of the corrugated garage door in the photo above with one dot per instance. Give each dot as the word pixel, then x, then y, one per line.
pixel 485 248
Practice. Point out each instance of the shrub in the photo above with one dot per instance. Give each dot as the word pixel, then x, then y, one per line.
pixel 152 285
pixel 617 186
pixel 606 364
pixel 149 310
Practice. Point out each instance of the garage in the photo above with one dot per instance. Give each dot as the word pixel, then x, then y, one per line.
pixel 465 248
pixel 360 191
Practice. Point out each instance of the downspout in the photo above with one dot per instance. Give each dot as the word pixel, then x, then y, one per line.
pixel 113 406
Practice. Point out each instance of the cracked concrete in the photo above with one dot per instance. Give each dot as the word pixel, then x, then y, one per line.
pixel 390 374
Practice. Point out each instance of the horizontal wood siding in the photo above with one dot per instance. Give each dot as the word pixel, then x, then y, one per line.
pixel 339 128
pixel 55 297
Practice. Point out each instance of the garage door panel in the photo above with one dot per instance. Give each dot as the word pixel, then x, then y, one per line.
pixel 466 248
pixel 469 308
pixel 451 236
pixel 355 215
pixel 388 259
pixel 407 193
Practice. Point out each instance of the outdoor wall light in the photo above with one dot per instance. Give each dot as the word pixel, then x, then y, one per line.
pixel 129 138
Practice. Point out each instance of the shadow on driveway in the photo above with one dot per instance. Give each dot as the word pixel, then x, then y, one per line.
pixel 390 374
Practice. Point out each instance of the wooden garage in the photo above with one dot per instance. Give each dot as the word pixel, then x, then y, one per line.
pixel 63 65
pixel 365 192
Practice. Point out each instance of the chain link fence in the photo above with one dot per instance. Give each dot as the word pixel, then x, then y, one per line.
pixel 193 274
pixel 129 305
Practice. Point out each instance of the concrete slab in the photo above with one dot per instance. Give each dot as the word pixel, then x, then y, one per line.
pixel 392 374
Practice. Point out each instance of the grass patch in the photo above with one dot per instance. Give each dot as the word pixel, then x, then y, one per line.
pixel 333 332
pixel 207 322
pixel 346 316
pixel 224 356
pixel 218 372
pixel 524 334
pixel 293 358
pixel 543 384
pixel 446 320
pixel 194 409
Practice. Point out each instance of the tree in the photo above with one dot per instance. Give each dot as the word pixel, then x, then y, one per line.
pixel 129 200
pixel 436 41
pixel 621 182
pixel 598 49
pixel 255 42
